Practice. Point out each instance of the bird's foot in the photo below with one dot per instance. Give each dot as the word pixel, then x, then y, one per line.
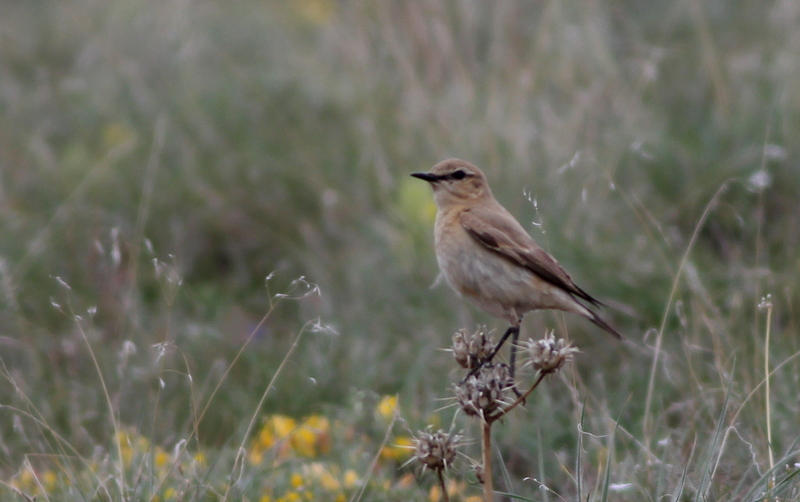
pixel 475 369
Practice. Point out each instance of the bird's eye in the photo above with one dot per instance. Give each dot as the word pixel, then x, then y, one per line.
pixel 459 175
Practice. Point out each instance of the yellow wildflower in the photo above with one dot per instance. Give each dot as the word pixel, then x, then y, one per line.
pixel 402 448
pixel 323 476
pixel 161 458
pixel 406 481
pixel 296 480
pixel 321 427
pixel 271 434
pixel 255 456
pixel 282 425
pixel 453 488
pixel 25 480
pixel 49 479
pixel 435 494
pixel 351 479
pixel 303 441
pixel 387 407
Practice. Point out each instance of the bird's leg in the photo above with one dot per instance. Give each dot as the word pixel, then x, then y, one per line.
pixel 512 330
pixel 513 358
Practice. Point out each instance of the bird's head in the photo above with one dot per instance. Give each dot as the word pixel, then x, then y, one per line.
pixel 456 181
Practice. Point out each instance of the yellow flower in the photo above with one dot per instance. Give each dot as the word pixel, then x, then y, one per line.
pixel 402 448
pixel 296 480
pixel 435 494
pixel 200 458
pixel 322 428
pixel 255 456
pixel 311 437
pixel 169 493
pixel 282 425
pixel 351 479
pixel 125 448
pixel 265 498
pixel 323 476
pixel 49 479
pixel 265 438
pixel 122 437
pixel 406 481
pixel 161 457
pixel 453 488
pixel 25 480
pixel 142 444
pixel 304 441
pixel 308 438
pixel 271 434
pixel 387 407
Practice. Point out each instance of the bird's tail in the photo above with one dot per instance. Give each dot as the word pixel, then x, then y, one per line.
pixel 596 319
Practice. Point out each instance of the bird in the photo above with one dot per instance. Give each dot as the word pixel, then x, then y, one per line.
pixel 487 256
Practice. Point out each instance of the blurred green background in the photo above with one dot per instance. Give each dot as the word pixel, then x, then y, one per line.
pixel 159 160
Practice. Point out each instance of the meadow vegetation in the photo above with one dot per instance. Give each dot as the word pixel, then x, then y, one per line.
pixel 217 280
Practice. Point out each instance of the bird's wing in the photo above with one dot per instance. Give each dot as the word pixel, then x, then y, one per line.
pixel 495 228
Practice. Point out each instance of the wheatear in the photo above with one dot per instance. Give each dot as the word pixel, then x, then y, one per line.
pixel 486 255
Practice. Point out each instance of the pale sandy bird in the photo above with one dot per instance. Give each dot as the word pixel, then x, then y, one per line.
pixel 486 255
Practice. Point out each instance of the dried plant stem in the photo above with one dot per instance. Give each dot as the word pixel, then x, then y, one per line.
pixel 647 421
pixel 486 444
pixel 484 392
pixel 768 306
pixel 521 399
pixel 486 440
pixel 445 496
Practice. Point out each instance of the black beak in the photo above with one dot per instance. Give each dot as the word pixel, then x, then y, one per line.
pixel 430 178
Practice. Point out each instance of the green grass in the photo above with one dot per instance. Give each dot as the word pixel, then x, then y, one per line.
pixel 160 160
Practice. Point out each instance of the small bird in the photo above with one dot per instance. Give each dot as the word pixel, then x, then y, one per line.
pixel 488 257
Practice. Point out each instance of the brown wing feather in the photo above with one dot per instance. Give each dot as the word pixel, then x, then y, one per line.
pixel 501 233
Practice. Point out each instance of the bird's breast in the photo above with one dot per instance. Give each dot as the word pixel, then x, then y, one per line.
pixel 490 281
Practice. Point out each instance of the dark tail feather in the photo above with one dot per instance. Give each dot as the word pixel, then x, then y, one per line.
pixel 586 296
pixel 600 322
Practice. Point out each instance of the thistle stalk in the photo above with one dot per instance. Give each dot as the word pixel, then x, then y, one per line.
pixel 486 446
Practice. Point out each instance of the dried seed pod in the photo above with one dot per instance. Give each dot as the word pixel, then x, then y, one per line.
pixel 470 350
pixel 484 392
pixel 436 451
pixel 548 355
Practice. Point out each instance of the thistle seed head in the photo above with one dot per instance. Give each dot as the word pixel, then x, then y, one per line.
pixel 470 350
pixel 483 393
pixel 548 355
pixel 436 451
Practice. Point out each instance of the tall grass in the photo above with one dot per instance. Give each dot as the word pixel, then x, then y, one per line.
pixel 160 160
